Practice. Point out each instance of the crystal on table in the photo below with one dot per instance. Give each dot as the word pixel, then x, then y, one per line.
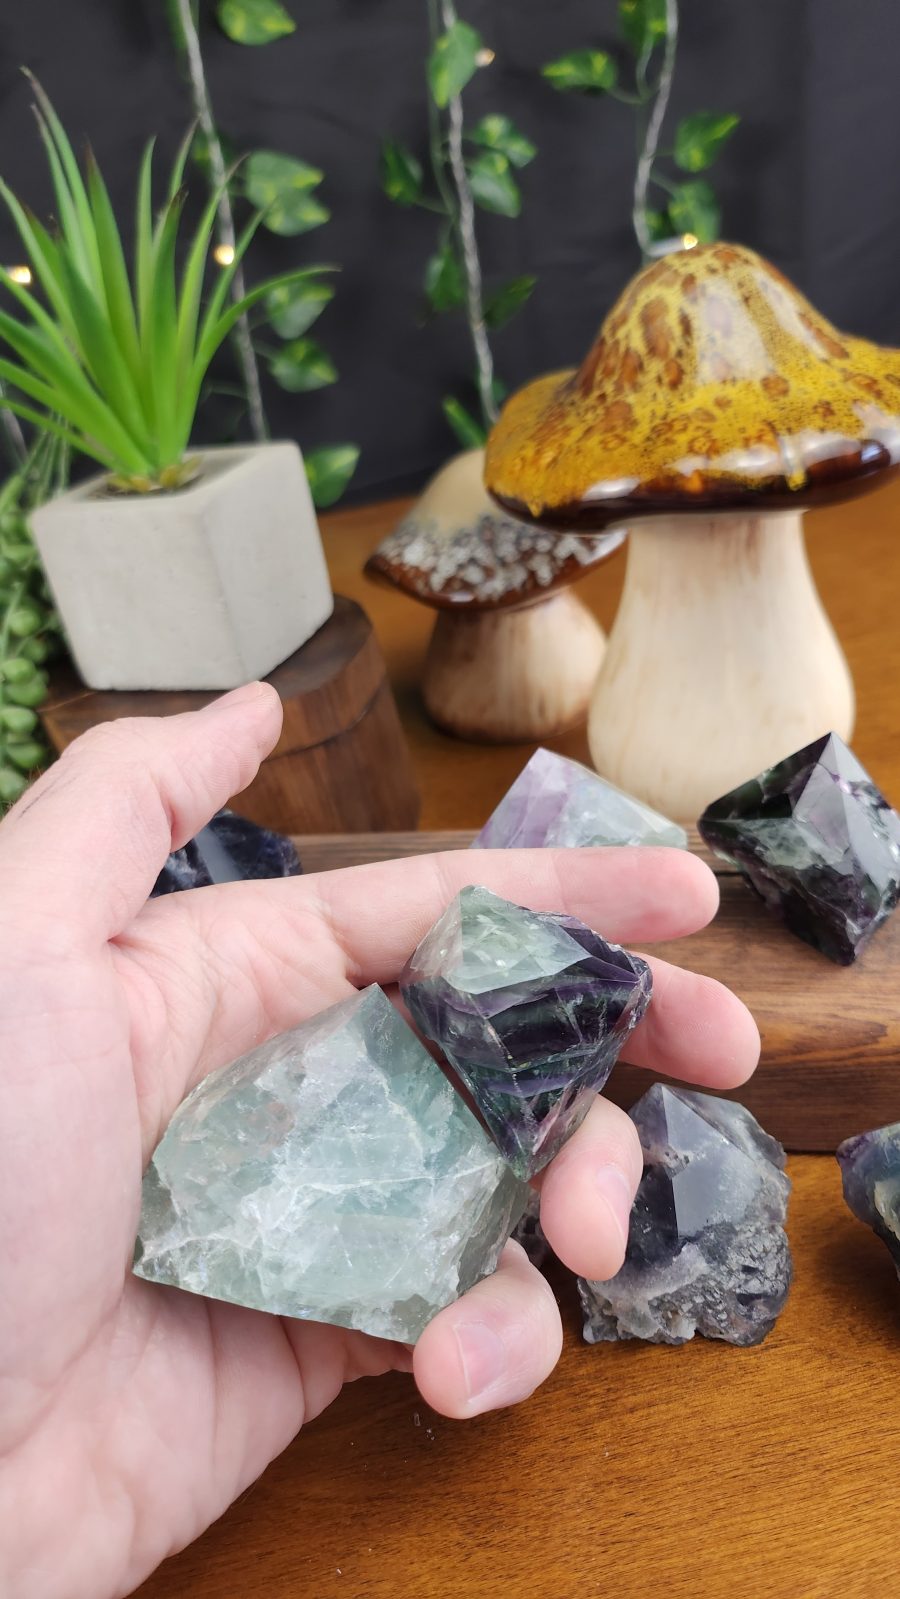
pixel 870 1172
pixel 332 1174
pixel 229 849
pixel 818 843
pixel 707 1251
pixel 531 1009
pixel 558 802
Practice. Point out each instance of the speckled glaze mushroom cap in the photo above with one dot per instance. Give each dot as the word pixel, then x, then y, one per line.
pixel 713 385
pixel 456 551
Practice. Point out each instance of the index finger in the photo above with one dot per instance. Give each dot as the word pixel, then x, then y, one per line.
pixel 378 914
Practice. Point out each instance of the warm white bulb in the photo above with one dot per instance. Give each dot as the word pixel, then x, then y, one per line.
pixel 224 254
pixel 689 241
pixel 484 57
pixel 20 274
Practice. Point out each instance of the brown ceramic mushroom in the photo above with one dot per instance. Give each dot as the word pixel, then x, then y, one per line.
pixel 514 653
pixel 715 406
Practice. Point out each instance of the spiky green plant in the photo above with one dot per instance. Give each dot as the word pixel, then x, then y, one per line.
pixel 113 360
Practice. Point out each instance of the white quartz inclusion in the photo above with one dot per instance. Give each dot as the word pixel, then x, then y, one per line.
pixel 333 1174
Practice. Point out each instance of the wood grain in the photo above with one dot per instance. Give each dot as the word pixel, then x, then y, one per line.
pixel 341 762
pixel 700 1473
pixel 830 1061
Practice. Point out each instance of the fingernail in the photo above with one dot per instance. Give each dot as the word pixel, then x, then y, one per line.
pixel 483 1357
pixel 614 1187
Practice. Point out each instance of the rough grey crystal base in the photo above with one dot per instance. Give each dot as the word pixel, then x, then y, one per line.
pixel 819 844
pixel 707 1251
pixel 555 802
pixel 333 1174
pixel 870 1172
pixel 531 1009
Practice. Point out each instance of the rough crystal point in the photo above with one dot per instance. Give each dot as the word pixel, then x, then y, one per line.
pixel 870 1171
pixel 818 842
pixel 532 1010
pixel 558 802
pixel 229 849
pixel 707 1251
pixel 332 1174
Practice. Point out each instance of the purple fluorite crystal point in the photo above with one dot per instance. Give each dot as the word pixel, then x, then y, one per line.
pixel 818 842
pixel 870 1172
pixel 229 849
pixel 532 1011
pixel 707 1251
pixel 558 802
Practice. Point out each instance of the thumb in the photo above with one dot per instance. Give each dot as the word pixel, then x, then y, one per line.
pixel 81 850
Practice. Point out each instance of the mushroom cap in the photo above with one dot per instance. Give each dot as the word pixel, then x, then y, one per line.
pixel 455 550
pixel 712 385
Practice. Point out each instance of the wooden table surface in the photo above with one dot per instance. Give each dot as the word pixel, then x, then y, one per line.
pixel 694 1473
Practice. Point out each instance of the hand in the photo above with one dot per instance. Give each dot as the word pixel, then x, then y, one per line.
pixel 132 1415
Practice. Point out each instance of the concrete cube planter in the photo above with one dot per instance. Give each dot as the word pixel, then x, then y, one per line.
pixel 205 588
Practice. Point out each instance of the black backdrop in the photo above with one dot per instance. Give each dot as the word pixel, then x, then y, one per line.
pixel 811 178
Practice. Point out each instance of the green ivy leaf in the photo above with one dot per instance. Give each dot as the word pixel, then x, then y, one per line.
pixel 254 21
pixel 329 470
pixel 303 365
pixel 499 133
pixel 493 184
pixel 444 286
pixel 453 62
pixel 470 434
pixel 693 208
pixel 282 186
pixel 504 302
pixel 643 23
pixel 590 71
pixel 401 173
pixel 660 225
pixel 293 307
pixel 698 139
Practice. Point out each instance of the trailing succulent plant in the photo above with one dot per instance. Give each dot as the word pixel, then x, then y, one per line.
pixel 688 209
pixel 470 166
pixel 284 191
pixel 29 627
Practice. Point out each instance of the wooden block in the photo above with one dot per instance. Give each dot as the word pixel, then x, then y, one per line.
pixel 830 1034
pixel 341 762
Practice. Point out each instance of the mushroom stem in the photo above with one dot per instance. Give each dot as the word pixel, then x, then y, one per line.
pixel 510 676
pixel 721 661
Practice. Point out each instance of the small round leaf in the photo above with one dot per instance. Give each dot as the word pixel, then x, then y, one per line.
pixel 254 21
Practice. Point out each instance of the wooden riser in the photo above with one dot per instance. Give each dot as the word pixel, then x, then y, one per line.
pixel 830 1035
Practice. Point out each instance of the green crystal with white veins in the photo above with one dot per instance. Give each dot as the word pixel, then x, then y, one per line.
pixel 332 1174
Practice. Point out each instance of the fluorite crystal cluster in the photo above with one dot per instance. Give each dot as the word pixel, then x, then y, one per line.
pixel 332 1174
pixel 558 802
pixel 229 849
pixel 707 1251
pixel 818 842
pixel 531 1009
pixel 870 1171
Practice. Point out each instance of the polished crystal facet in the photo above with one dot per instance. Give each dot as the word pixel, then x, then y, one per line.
pixel 333 1174
pixel 870 1169
pixel 818 842
pixel 532 1010
pixel 558 802
pixel 229 849
pixel 707 1251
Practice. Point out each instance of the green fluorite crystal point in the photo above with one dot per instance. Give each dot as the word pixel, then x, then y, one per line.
pixel 333 1174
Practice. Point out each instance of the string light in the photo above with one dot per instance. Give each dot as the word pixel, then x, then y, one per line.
pixel 224 254
pixel 689 241
pixel 20 274
pixel 484 57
